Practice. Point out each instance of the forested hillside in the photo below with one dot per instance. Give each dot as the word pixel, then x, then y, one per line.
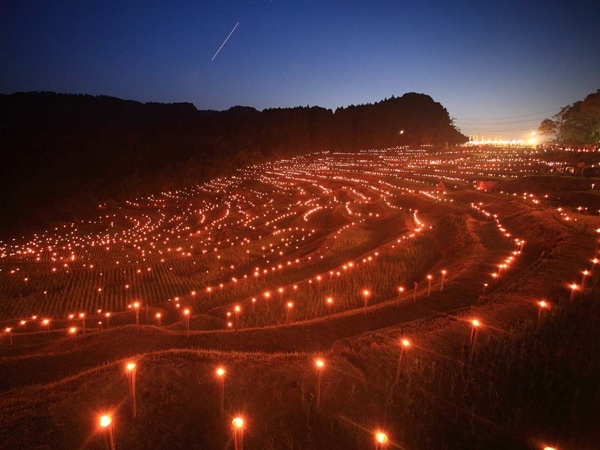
pixel 62 153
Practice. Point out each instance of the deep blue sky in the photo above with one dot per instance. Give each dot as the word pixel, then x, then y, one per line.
pixel 499 67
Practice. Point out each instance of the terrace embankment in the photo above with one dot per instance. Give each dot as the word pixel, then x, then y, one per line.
pixel 467 261
pixel 518 376
pixel 491 401
pixel 524 378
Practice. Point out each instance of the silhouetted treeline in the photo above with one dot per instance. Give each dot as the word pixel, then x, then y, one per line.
pixel 62 153
pixel 577 124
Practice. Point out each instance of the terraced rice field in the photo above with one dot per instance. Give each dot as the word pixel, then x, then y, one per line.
pixel 335 256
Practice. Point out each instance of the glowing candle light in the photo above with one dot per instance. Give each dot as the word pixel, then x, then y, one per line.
pixel 381 440
pixel 220 372
pixel 320 365
pixel 288 311
pixel 130 370
pixel 429 278
pixel 474 328
pixel 542 305
pixel 136 307
pixel 186 317
pixel 47 323
pixel 405 343
pixel 400 292
pixel 584 274
pixel 82 317
pixel 8 331
pixel 238 433
pixel 366 293
pixel 574 288
pixel 106 423
pixel 444 272
pixel 73 332
pixel 237 310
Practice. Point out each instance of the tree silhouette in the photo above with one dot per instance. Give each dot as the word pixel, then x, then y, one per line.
pixel 62 153
pixel 576 124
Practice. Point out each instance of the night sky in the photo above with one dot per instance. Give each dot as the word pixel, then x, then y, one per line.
pixel 499 67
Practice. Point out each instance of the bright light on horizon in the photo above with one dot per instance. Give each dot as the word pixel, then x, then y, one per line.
pixel 475 140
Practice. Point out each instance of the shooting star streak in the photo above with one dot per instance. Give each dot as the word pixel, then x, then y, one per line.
pixel 224 42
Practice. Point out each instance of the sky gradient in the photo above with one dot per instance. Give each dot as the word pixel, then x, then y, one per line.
pixel 499 67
